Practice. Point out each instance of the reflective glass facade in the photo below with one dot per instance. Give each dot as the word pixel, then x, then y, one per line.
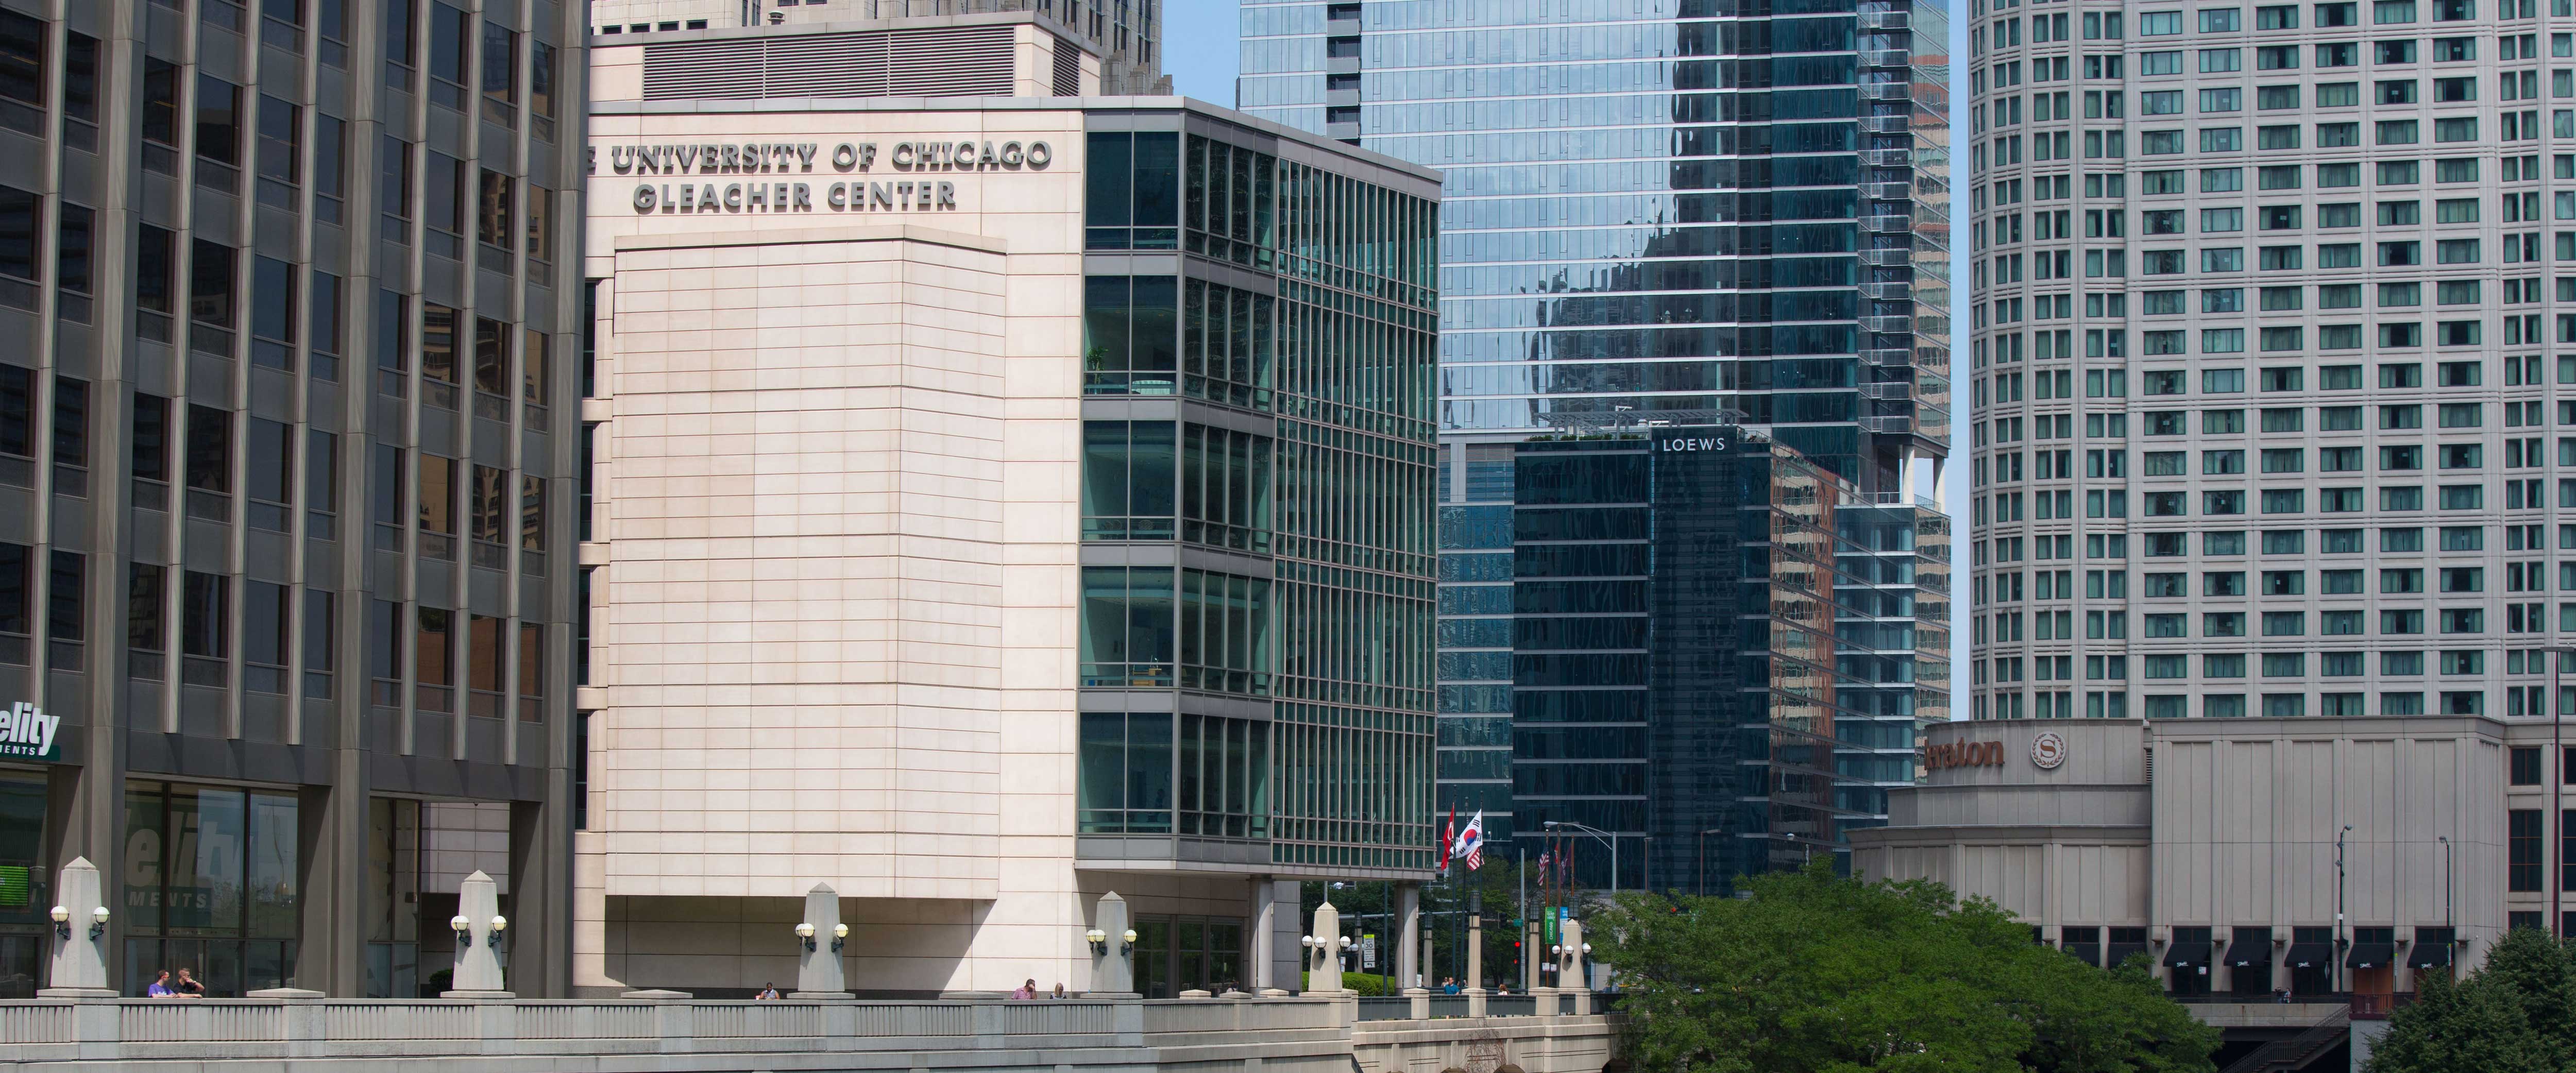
pixel 1711 653
pixel 1667 212
pixel 1258 448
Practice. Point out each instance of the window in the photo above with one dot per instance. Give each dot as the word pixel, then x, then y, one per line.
pixel 218 118
pixel 500 75
pixel 210 449
pixel 492 223
pixel 211 273
pixel 450 36
pixel 204 615
pixel 2523 850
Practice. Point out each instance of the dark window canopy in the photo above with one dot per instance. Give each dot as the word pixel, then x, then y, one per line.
pixel 2371 956
pixel 2186 953
pixel 2249 946
pixel 2311 955
pixel 2433 949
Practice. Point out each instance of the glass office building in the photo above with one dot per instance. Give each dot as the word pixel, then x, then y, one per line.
pixel 284 481
pixel 1710 645
pixel 1657 214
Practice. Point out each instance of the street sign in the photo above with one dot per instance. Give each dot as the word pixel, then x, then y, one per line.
pixel 1368 951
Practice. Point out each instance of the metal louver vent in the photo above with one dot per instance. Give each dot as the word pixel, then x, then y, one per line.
pixel 965 61
pixel 1068 69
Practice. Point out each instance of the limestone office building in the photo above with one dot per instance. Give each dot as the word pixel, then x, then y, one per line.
pixel 999 495
pixel 288 305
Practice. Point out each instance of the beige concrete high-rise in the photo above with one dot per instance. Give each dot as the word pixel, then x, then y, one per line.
pixel 1128 34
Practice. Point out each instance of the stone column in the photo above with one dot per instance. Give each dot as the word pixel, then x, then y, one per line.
pixel 478 966
pixel 1265 938
pixel 819 972
pixel 1475 981
pixel 80 960
pixel 1570 977
pixel 1113 971
pixel 1324 962
pixel 1408 929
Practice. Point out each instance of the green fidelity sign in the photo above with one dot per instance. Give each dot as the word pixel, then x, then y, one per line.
pixel 27 733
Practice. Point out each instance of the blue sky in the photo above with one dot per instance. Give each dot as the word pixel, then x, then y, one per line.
pixel 1201 50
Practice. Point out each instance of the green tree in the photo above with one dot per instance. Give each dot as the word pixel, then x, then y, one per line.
pixel 2516 1013
pixel 1811 973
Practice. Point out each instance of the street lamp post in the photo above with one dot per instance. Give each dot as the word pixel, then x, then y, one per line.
pixel 1598 835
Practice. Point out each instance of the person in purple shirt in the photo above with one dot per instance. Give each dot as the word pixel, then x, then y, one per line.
pixel 161 986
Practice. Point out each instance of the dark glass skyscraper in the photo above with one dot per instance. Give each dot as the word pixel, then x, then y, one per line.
pixel 1658 213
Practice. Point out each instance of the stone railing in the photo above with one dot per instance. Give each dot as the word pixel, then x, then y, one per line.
pixel 93 1030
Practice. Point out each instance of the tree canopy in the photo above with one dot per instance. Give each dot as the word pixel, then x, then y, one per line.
pixel 1808 972
pixel 2515 1013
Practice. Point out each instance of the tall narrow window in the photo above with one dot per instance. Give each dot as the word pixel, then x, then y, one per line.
pixel 393 343
pixel 16 606
pixel 492 224
pixel 205 610
pixel 532 375
pixel 22 73
pixel 281 152
pixel 156 282
pixel 160 119
pixel 492 358
pixel 21 246
pixel 273 313
pixel 265 615
pixel 71 436
pixel 443 206
pixel 145 625
pixel 434 659
pixel 210 449
pixel 74 233
pixel 18 420
pixel 321 484
pixel 151 443
pixel 330 167
pixel 451 34
pixel 500 75
pixel 401 39
pixel 385 637
pixel 269 473
pixel 320 644
pixel 67 603
pixel 483 665
pixel 490 510
pixel 532 520
pixel 393 187
pixel 80 90
pixel 324 325
pixel 219 123
pixel 385 494
pixel 541 91
pixel 211 274
pixel 437 505
pixel 541 224
pixel 438 349
pixel 532 671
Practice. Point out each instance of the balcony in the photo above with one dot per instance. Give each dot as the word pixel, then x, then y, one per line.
pixel 1887 191
pixel 1887 426
pixel 1886 57
pixel 1887 325
pixel 1887 258
pixel 1885 124
pixel 1892 391
pixel 1886 91
pixel 1887 292
pixel 1883 20
pixel 1886 225
pixel 1887 158
pixel 1888 358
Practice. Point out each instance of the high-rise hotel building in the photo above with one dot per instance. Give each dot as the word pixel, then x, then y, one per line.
pixel 1663 214
pixel 2270 354
pixel 289 299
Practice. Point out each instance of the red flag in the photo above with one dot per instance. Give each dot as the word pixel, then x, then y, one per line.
pixel 1448 837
